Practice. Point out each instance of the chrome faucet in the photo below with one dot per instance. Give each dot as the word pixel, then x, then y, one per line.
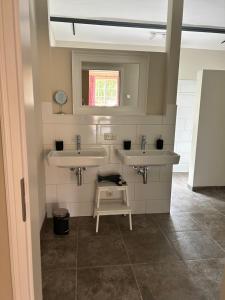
pixel 143 142
pixel 78 142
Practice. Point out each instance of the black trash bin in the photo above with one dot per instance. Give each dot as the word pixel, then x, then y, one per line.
pixel 61 218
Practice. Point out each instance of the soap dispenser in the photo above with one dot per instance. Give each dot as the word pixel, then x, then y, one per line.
pixel 159 143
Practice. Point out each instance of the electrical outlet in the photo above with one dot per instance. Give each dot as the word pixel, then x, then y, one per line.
pixel 109 136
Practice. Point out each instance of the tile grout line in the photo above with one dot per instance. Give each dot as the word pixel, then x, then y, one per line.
pixel 130 264
pixel 200 230
pixel 168 240
pixel 204 230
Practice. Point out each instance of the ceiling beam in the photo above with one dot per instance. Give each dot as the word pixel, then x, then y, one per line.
pixel 159 26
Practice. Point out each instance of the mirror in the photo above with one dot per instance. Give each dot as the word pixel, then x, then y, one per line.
pixel 109 85
pixel 60 97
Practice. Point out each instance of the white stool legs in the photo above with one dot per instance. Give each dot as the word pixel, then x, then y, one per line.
pixel 97 223
pixel 105 207
pixel 130 221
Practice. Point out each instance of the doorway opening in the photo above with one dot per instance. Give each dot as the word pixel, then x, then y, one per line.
pixel 186 95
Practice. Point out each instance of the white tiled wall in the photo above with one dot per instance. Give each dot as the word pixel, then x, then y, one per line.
pixel 184 123
pixel 61 184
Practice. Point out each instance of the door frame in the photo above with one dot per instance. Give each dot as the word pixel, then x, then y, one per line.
pixel 12 118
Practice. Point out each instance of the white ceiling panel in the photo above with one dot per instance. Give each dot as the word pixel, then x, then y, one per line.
pixel 196 12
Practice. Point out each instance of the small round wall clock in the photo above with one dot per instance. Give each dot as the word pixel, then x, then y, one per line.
pixel 60 97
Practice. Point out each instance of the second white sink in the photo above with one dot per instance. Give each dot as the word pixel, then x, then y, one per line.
pixel 148 157
pixel 73 159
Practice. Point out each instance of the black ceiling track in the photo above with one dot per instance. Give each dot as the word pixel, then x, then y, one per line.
pixel 159 26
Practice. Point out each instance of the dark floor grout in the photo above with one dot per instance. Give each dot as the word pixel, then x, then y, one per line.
pixel 168 240
pixel 128 256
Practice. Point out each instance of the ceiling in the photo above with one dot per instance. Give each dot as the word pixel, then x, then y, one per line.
pixel 196 12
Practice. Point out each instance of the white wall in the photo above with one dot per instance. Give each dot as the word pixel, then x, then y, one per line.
pixel 207 166
pixel 191 62
pixel 61 185
pixel 194 60
pixel 186 97
pixel 36 117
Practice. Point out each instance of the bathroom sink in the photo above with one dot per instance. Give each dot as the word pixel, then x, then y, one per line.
pixel 148 157
pixel 71 158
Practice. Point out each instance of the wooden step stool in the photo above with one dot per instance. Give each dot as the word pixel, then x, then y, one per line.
pixel 104 207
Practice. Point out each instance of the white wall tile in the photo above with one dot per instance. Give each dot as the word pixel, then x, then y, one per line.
pixel 110 168
pixel 130 174
pixel 188 124
pixel 185 112
pixel 158 206
pixel 180 122
pixel 184 123
pixel 75 209
pixel 170 116
pixel 67 133
pixel 166 173
pixel 152 190
pixel 74 193
pixel 49 117
pixel 56 175
pixel 51 194
pixel 119 195
pixel 187 86
pixel 138 207
pixel 154 131
pixel 62 189
pixel 120 132
pixel 113 156
pixel 185 100
pixel 81 209
pixel 183 135
pixel 181 168
pixel 182 147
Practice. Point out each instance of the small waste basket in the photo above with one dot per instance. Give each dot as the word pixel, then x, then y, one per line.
pixel 61 221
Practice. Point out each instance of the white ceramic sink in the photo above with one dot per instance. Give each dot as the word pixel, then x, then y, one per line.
pixel 148 157
pixel 72 158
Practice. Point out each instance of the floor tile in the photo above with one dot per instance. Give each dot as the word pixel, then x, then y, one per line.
pixel 58 253
pixel 208 276
pixel 101 251
pixel 105 229
pixel 141 224
pixel 59 284
pixel 154 247
pixel 168 281
pixel 92 221
pixel 111 283
pixel 175 256
pixel 180 222
pixel 208 221
pixel 218 204
pixel 47 230
pixel 191 205
pixel 218 235
pixel 195 245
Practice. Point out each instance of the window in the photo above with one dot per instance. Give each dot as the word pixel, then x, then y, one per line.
pixel 104 88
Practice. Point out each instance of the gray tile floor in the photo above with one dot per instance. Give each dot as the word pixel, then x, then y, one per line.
pixel 165 257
